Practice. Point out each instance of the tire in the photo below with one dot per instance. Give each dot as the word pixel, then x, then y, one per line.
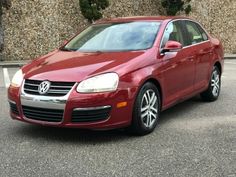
pixel 146 110
pixel 213 91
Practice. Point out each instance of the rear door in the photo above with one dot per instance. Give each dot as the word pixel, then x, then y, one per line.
pixel 201 46
pixel 178 67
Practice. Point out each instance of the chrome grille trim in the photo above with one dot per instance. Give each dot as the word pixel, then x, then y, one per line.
pixel 56 88
pixel 43 101
pixel 31 84
pixel 30 90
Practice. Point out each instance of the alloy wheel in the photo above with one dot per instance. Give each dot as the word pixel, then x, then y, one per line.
pixel 215 83
pixel 149 108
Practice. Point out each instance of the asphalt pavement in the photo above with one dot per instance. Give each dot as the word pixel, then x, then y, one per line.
pixel 193 138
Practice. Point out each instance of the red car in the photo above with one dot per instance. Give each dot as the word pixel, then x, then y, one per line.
pixel 119 73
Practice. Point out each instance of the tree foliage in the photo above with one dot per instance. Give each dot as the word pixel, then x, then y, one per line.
pixel 4 3
pixel 91 9
pixel 174 6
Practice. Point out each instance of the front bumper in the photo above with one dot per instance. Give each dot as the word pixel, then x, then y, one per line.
pixel 73 101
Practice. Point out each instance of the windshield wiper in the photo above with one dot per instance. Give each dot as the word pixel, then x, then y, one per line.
pixel 69 50
pixel 91 51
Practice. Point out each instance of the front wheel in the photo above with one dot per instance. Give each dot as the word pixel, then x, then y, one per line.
pixel 213 91
pixel 146 110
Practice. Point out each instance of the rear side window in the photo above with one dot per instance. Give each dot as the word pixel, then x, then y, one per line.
pixel 195 36
pixel 204 34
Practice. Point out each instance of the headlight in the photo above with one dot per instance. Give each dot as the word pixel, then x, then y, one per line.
pixel 17 79
pixel 101 83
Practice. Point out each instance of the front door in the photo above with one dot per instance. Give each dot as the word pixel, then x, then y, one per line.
pixel 178 67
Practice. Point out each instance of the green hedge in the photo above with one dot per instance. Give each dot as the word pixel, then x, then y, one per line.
pixel 91 9
pixel 174 6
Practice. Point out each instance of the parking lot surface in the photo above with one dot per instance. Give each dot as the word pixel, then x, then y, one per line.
pixel 193 138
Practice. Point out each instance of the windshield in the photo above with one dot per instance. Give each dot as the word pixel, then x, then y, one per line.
pixel 115 37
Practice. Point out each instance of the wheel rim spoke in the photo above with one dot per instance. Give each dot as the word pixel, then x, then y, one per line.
pixel 144 108
pixel 146 99
pixel 153 115
pixel 153 109
pixel 217 79
pixel 152 98
pixel 214 90
pixel 148 120
pixel 144 114
pixel 154 101
pixel 148 96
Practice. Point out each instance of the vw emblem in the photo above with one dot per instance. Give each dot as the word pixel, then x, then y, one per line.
pixel 44 87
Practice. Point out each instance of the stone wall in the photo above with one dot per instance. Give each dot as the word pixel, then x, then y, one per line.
pixel 218 17
pixel 35 27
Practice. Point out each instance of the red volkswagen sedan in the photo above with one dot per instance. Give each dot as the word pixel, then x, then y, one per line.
pixel 119 73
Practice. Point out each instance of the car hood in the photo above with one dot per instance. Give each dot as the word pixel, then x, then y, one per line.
pixel 76 66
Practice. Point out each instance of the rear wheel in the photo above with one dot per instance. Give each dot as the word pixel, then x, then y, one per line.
pixel 213 91
pixel 146 110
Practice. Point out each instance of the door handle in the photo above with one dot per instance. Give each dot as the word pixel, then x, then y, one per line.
pixel 204 52
pixel 191 58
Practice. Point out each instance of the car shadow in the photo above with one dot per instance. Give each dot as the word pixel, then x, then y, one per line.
pixel 97 137
pixel 71 135
pixel 181 108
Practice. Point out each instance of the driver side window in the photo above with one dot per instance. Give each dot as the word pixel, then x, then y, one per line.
pixel 172 33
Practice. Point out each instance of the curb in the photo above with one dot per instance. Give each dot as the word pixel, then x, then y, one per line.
pixel 230 56
pixel 13 64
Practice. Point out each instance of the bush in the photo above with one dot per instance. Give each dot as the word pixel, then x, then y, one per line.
pixel 174 6
pixel 91 9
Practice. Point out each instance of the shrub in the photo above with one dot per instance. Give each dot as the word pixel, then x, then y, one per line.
pixel 91 9
pixel 174 6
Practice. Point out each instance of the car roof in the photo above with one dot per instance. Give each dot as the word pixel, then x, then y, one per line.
pixel 139 18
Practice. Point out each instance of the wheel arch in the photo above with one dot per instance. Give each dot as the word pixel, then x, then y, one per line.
pixel 218 65
pixel 157 84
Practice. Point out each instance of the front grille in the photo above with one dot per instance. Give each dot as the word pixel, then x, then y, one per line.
pixel 90 115
pixel 13 108
pixel 56 88
pixel 42 114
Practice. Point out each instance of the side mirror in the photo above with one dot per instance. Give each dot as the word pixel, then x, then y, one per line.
pixel 172 46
